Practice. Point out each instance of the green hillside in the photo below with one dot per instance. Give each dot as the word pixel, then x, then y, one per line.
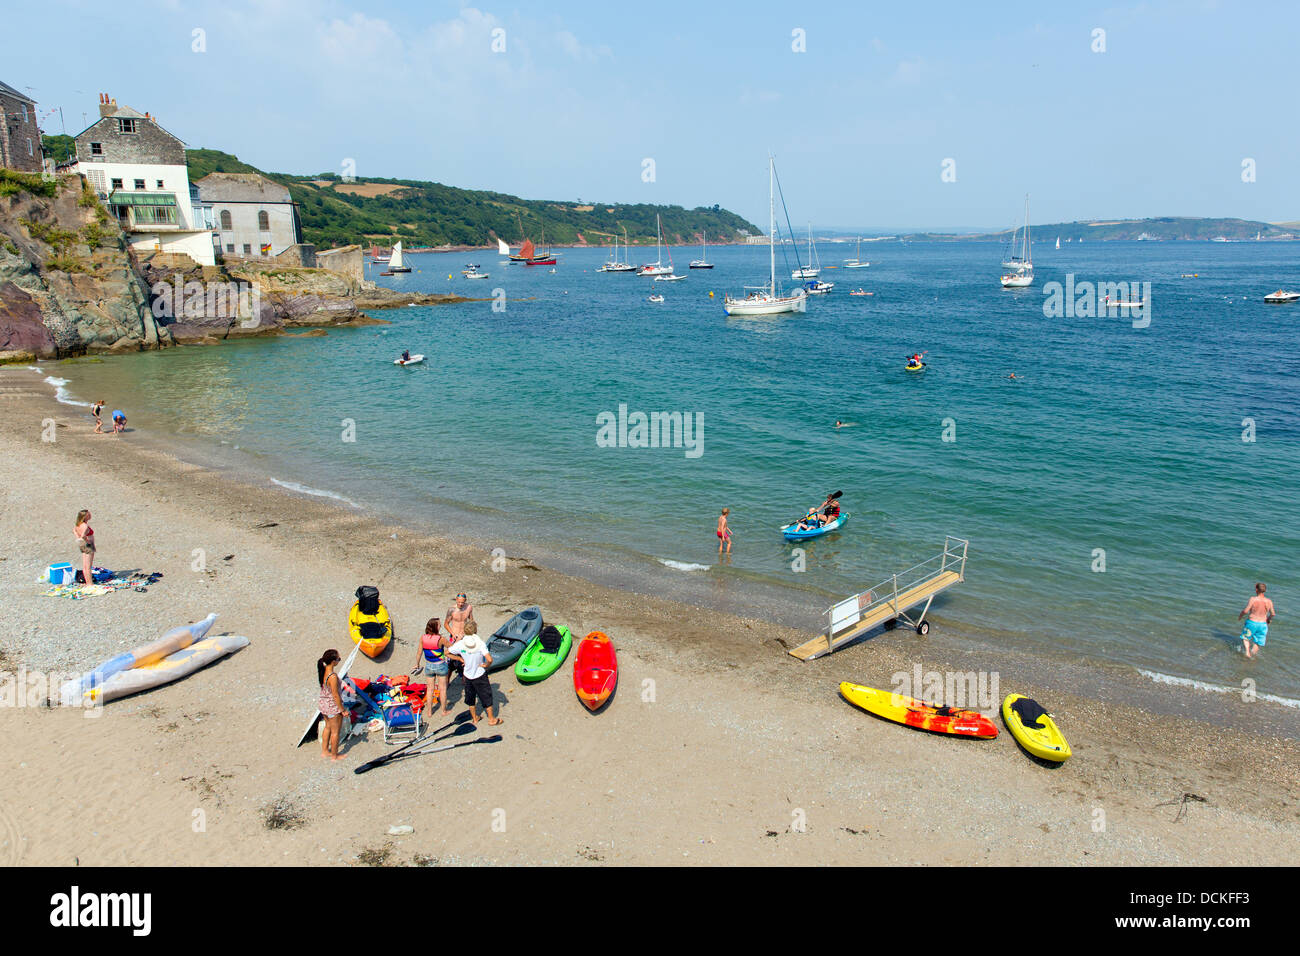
pixel 378 211
pixel 1162 227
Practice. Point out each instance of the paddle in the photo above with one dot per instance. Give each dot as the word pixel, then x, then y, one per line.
pixel 494 739
pixel 832 497
pixel 379 761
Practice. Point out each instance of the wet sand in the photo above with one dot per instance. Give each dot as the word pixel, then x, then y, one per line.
pixel 717 748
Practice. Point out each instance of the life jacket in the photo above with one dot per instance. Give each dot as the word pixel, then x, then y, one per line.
pixel 432 652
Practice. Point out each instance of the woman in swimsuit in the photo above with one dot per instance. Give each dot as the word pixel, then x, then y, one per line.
pixel 95 410
pixel 724 532
pixel 330 704
pixel 432 656
pixel 85 535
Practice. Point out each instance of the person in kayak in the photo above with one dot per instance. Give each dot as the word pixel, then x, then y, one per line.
pixel 823 514
pixel 915 360
pixel 1258 613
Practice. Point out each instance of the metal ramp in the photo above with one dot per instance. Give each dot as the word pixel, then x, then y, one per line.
pixel 889 601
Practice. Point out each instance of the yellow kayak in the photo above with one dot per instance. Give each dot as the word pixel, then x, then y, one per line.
pixel 1046 740
pixel 918 714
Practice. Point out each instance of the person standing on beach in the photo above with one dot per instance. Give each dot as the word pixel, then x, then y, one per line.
pixel 1258 613
pixel 475 660
pixel 95 410
pixel 460 618
pixel 724 532
pixel 330 703
pixel 85 535
pixel 432 656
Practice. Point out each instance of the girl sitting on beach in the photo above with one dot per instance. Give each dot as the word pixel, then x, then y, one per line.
pixel 432 655
pixel 330 703
pixel 85 535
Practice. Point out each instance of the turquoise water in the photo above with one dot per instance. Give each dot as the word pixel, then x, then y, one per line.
pixel 1115 438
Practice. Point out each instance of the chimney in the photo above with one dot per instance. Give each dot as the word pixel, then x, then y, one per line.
pixel 106 106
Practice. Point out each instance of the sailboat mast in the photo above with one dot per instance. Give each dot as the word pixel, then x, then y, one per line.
pixel 771 203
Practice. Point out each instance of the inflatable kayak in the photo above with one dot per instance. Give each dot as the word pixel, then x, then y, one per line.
pixel 792 532
pixel 595 670
pixel 915 368
pixel 1034 728
pixel 83 690
pixel 508 643
pixel 171 668
pixel 368 622
pixel 918 714
pixel 544 654
pixel 413 360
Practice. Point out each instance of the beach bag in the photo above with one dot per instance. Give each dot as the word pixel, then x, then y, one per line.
pixel 368 600
pixel 551 639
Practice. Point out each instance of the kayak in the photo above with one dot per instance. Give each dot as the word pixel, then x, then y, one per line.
pixel 595 670
pixel 511 638
pixel 918 714
pixel 370 632
pixel 413 360
pixel 792 532
pixel 915 368
pixel 83 691
pixel 171 668
pixel 537 663
pixel 1045 741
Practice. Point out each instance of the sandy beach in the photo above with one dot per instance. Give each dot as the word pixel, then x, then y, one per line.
pixel 719 748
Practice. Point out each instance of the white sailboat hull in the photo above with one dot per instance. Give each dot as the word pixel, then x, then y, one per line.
pixel 766 305
pixel 1017 281
pixel 856 265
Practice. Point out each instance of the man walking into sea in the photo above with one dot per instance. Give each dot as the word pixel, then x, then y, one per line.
pixel 1258 613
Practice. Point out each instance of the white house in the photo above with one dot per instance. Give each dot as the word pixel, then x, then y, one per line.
pixel 138 169
pixel 254 216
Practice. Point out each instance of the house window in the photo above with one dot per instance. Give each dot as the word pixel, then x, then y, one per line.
pixel 160 184
pixel 263 221
pixel 139 184
pixel 145 215
pixel 117 184
pixel 24 105
pixel 29 147
pixel 230 247
pixel 248 249
pixel 226 223
pixel 126 125
pixel 96 149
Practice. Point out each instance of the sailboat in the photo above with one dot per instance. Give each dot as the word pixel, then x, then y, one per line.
pixel 377 256
pixel 395 264
pixel 765 300
pixel 1020 268
pixel 810 271
pixel 1058 242
pixel 503 247
pixel 657 268
pixel 614 264
pixel 703 261
pixel 856 262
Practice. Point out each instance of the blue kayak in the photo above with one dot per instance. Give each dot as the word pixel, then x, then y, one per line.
pixel 792 532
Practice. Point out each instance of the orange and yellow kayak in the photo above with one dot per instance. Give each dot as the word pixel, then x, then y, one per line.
pixel 914 713
pixel 370 632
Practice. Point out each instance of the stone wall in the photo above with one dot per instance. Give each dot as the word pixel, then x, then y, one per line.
pixel 17 136
pixel 347 260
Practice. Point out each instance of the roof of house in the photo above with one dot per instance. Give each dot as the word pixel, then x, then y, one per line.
pixel 241 187
pixel 6 88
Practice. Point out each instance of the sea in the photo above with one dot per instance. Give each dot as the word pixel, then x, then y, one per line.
pixel 1121 494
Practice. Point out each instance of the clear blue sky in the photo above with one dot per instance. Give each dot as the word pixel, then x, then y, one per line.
pixel 860 123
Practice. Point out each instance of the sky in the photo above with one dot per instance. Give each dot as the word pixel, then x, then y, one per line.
pixel 864 105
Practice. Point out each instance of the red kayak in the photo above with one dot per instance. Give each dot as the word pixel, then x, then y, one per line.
pixel 595 670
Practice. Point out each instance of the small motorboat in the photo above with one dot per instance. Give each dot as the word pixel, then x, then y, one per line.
pixel 818 287
pixel 413 360
pixel 669 278
pixel 480 275
pixel 792 532
pixel 1282 296
pixel 655 298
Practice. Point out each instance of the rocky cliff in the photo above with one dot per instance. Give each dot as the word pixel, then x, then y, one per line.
pixel 67 283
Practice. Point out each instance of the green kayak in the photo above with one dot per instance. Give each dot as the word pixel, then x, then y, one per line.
pixel 544 654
